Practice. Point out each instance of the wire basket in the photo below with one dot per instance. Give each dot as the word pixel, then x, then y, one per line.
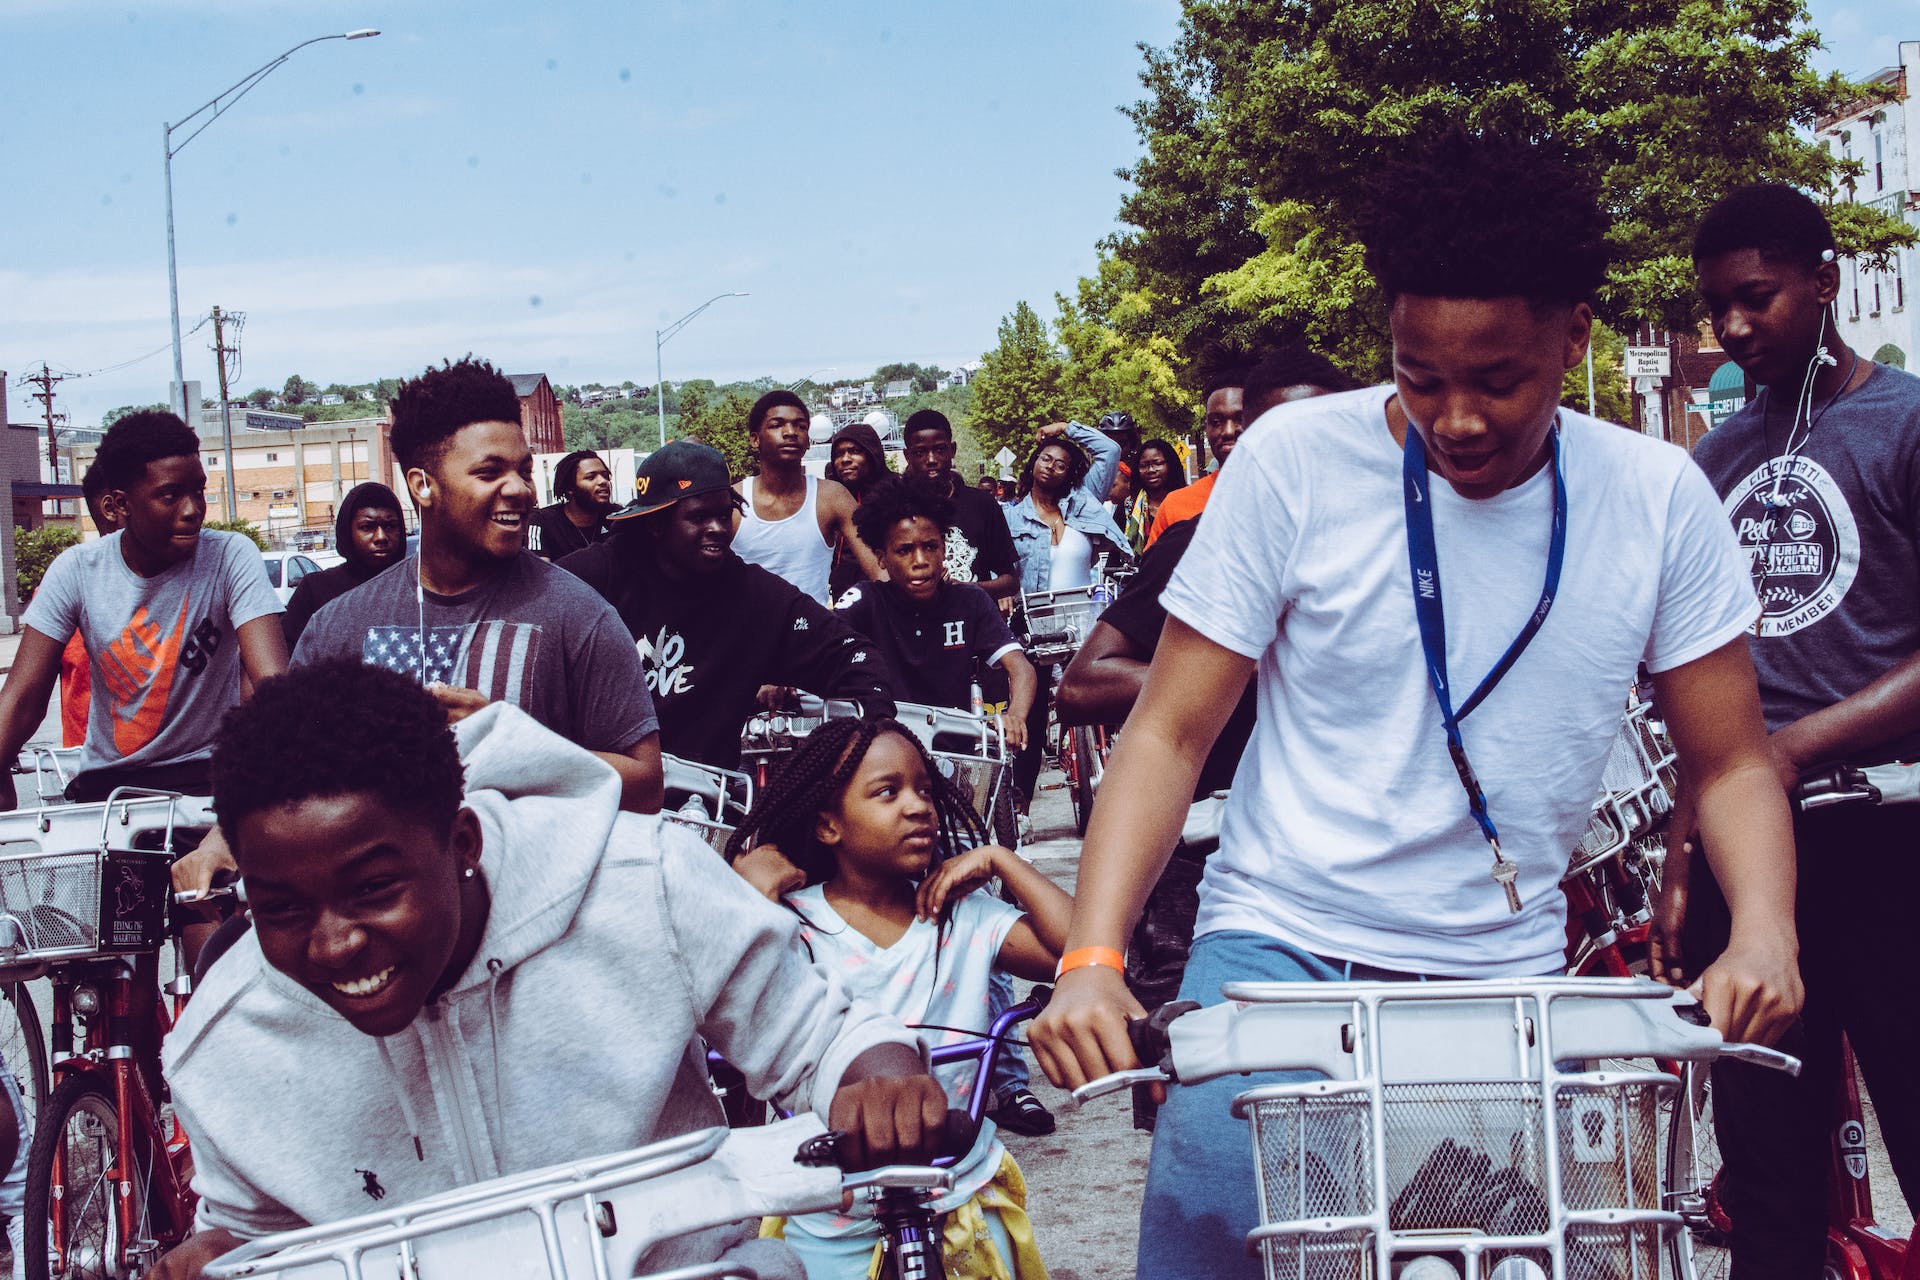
pixel 1637 788
pixel 63 906
pixel 1466 1167
pixel 1057 622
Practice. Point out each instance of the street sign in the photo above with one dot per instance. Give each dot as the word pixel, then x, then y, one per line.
pixel 1649 362
pixel 1005 457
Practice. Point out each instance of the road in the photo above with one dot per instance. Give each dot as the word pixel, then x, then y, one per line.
pixel 1084 1180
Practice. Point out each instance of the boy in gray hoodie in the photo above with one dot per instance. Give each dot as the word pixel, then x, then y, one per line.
pixel 442 989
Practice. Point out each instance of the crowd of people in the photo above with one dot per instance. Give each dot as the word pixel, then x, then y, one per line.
pixel 475 948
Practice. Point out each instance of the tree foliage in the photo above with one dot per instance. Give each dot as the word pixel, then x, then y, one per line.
pixel 245 528
pixel 112 416
pixel 34 551
pixel 1116 361
pixel 719 420
pixel 1263 120
pixel 1021 386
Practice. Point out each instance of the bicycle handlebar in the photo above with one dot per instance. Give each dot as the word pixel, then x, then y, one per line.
pixel 1312 1027
pixel 1879 784
pixel 831 1150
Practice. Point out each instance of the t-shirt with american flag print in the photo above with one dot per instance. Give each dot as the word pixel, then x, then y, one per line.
pixel 534 636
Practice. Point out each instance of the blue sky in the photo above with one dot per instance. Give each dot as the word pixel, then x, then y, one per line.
pixel 546 185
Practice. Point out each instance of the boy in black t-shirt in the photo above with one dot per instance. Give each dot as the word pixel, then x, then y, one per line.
pixel 930 631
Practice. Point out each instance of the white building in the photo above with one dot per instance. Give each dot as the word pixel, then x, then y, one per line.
pixel 1877 315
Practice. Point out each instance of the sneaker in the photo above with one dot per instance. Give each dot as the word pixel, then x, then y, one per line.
pixel 1023 830
pixel 1020 1112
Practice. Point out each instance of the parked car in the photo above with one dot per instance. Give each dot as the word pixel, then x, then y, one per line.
pixel 285 569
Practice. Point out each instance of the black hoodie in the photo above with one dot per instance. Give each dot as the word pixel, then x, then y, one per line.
pixel 709 643
pixel 317 589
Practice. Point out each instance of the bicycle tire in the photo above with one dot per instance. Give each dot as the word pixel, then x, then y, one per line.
pixel 1701 1251
pixel 1080 776
pixel 1003 823
pixel 81 1120
pixel 24 1046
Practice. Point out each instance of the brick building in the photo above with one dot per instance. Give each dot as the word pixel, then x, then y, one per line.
pixel 288 484
pixel 539 412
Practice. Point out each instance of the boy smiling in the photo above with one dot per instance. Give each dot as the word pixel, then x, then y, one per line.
pixel 444 988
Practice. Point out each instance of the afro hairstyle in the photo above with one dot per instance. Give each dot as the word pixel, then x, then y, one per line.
pixel 332 729
pixel 891 501
pixel 1783 223
pixel 1294 365
pixel 137 439
pixel 1464 215
pixel 429 409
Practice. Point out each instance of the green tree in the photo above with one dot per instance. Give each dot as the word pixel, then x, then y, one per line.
pixel 260 397
pixel 720 420
pixel 1021 386
pixel 112 416
pixel 1115 361
pixel 1264 119
pixel 34 550
pixel 245 528
pixel 1612 399
pixel 298 390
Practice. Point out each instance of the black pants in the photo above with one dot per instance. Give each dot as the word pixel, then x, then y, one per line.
pixel 1157 953
pixel 1026 765
pixel 192 778
pixel 1859 876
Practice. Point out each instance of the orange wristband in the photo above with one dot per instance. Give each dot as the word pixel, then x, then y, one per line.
pixel 1087 957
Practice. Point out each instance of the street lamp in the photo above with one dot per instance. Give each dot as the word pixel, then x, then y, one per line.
pixel 795 384
pixel 660 337
pixel 219 104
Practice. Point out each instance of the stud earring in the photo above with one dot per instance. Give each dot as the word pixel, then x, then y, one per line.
pixel 469 873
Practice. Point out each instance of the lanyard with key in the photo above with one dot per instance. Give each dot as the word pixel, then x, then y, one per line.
pixel 1423 555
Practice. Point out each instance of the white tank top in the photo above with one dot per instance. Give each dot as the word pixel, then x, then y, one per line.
pixel 793 548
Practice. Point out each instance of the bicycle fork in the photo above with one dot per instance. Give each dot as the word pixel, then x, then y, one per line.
pixel 912 1236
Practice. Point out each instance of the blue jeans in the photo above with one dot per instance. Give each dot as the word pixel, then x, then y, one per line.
pixel 1200 1200
pixel 1010 1071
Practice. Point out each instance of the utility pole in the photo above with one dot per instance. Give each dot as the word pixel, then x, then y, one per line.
pixel 220 352
pixel 47 380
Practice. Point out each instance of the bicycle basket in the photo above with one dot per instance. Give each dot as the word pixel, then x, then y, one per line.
pixel 62 906
pixel 1475 1172
pixel 1637 787
pixel 1064 616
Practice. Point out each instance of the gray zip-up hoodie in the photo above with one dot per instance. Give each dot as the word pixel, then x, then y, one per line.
pixel 613 942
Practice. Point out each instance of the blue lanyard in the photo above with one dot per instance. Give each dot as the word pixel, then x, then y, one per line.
pixel 1423 556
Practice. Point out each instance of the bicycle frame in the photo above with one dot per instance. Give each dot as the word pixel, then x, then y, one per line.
pixel 109 1056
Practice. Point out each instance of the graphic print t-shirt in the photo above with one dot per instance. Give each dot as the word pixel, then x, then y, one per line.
pixel 933 650
pixel 1837 564
pixel 978 544
pixel 535 636
pixel 162 655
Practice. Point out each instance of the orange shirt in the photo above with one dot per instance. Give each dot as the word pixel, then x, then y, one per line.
pixel 76 681
pixel 1182 504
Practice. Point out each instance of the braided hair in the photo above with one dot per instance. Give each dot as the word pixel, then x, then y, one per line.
pixel 816 776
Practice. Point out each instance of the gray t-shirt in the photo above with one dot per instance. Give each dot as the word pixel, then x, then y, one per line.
pixel 164 662
pixel 1840 595
pixel 535 636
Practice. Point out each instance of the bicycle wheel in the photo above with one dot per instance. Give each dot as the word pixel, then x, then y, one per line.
pixel 1080 776
pixel 1003 823
pixel 24 1047
pixel 1693 1168
pixel 81 1124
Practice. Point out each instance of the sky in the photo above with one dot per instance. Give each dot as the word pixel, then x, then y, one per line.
pixel 547 185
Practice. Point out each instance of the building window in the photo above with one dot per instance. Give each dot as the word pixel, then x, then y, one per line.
pixel 1854 266
pixel 212 460
pixel 273 457
pixel 1879 171
pixel 1899 279
pixel 1876 293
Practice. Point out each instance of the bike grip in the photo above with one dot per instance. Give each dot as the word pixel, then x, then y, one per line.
pixel 957 1135
pixel 1149 1034
pixel 1051 637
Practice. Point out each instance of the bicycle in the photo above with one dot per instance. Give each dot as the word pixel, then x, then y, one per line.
pixel 909 1228
pixel 1055 625
pixel 1858 1247
pixel 705 799
pixel 1454 1121
pixel 107 1172
pixel 605 1216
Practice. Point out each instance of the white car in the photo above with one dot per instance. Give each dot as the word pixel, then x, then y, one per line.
pixel 286 568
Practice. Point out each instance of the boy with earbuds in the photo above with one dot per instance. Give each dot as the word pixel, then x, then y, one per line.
pixel 475 616
pixel 1820 475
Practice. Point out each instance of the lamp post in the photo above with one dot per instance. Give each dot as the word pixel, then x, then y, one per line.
pixel 218 105
pixel 795 384
pixel 660 337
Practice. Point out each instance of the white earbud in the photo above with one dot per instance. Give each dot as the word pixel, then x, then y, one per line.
pixel 1826 255
pixel 1824 358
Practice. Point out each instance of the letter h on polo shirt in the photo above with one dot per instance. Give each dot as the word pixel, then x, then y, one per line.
pixel 956 635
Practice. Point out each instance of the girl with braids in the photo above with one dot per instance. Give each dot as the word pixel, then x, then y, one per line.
pixel 895 907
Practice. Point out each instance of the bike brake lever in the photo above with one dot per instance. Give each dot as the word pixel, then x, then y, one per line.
pixel 1117 1081
pixel 901 1177
pixel 1761 1056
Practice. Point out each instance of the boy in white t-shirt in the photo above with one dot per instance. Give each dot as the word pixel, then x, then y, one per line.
pixel 1350 847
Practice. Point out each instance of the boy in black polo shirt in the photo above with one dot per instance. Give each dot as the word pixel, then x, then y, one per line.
pixel 930 631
